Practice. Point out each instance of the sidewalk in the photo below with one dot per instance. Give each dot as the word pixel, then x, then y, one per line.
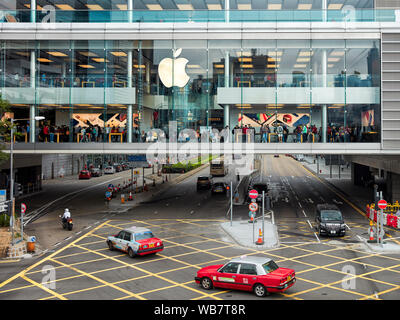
pixel 361 196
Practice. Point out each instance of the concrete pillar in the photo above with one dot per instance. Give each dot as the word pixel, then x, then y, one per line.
pixel 226 84
pixel 393 187
pixel 129 116
pixel 33 11
pixel 324 120
pixel 32 109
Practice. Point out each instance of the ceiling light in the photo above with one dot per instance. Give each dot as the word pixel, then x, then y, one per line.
pixel 245 59
pixel 243 53
pixel 118 53
pixel 214 7
pixel 29 6
pixel 300 65
pixel 94 7
pixel 86 66
pixel 337 53
pixel 57 54
pixel 305 53
pixel 116 105
pixel 187 7
pixel 275 53
pixel 274 59
pixel 272 65
pixel 193 66
pixel 154 7
pixel 244 6
pixel 100 60
pixel 333 59
pixel 247 66
pixel 64 7
pixel 304 6
pixel 25 54
pixel 219 66
pixel 88 54
pixel 122 6
pixel 274 6
pixel 44 60
pixel 84 105
pixel 303 59
pixel 330 65
pixel 335 6
pixel 139 67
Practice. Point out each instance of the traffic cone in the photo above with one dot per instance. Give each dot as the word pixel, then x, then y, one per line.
pixel 371 232
pixel 259 240
pixel 130 198
pixel 122 198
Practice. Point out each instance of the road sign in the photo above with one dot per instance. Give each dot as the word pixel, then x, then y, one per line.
pixel 108 194
pixel 253 194
pixel 137 158
pixel 23 207
pixel 3 195
pixel 3 207
pixel 253 206
pixel 382 204
pixel 136 172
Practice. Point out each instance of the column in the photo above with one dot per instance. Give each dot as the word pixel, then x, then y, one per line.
pixel 130 11
pixel 324 121
pixel 226 84
pixel 129 84
pixel 32 109
pixel 33 11
pixel 227 11
pixel 324 8
pixel 393 186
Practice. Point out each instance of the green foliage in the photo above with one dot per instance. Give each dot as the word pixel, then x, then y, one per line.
pixel 4 220
pixel 5 127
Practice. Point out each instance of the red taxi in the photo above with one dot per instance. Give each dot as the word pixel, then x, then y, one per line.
pixel 249 273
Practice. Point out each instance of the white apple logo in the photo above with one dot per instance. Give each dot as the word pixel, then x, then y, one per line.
pixel 172 71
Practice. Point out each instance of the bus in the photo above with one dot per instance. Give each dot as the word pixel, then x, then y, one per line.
pixel 218 168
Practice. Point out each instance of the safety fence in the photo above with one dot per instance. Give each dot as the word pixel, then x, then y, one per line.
pixel 390 218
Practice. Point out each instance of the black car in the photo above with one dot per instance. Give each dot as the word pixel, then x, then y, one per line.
pixel 219 188
pixel 260 187
pixel 204 182
pixel 329 220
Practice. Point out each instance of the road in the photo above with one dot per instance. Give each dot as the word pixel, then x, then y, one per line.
pixel 188 222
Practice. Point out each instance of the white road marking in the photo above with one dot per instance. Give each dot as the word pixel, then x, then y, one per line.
pixel 300 205
pixel 56 244
pixel 67 238
pixel 310 200
pixel 317 237
pixel 362 240
pixel 79 232
pixel 304 213
pixel 376 295
pixel 309 223
pixel 347 226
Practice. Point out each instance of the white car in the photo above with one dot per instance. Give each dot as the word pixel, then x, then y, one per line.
pixel 109 170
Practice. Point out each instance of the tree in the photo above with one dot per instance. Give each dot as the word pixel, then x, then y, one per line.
pixel 5 127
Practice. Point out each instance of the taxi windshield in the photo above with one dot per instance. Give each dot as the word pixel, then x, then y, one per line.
pixel 331 215
pixel 143 235
pixel 270 266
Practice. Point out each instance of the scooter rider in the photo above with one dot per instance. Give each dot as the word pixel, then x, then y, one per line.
pixel 66 215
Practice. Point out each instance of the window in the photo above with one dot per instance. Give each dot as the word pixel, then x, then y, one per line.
pixel 143 236
pixel 270 266
pixel 331 215
pixel 127 236
pixel 246 268
pixel 231 267
pixel 120 235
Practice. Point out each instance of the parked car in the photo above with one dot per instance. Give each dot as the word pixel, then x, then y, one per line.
pixel 109 170
pixel 248 273
pixel 118 168
pixel 135 241
pixel 218 188
pixel 329 220
pixel 96 172
pixel 204 182
pixel 84 174
pixel 125 166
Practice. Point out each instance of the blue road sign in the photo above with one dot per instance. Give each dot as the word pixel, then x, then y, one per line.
pixel 108 194
pixel 137 158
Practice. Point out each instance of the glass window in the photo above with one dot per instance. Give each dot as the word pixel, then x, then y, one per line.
pixel 127 236
pixel 247 268
pixel 120 235
pixel 143 236
pixel 331 215
pixel 270 266
pixel 231 267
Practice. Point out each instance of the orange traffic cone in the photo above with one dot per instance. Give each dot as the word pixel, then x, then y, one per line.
pixel 371 231
pixel 259 240
pixel 130 198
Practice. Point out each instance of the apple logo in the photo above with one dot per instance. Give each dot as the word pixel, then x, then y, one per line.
pixel 172 71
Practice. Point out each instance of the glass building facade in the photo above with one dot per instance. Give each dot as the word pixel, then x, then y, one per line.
pixel 119 89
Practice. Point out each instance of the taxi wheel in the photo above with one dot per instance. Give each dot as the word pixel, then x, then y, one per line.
pixel 131 253
pixel 206 283
pixel 110 246
pixel 259 290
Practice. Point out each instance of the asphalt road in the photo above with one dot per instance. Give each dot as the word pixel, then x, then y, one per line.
pixel 188 222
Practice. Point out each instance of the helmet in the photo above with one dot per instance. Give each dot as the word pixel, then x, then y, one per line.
pixel 66 210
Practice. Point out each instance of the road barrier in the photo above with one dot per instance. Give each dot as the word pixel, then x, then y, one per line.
pixel 389 218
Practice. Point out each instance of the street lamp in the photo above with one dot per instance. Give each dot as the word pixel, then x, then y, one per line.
pixel 37 118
